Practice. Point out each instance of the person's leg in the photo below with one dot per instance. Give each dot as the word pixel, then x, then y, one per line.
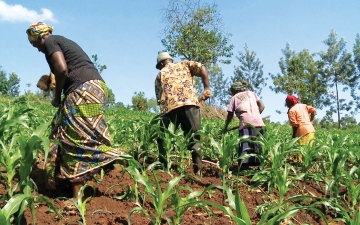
pixel 75 189
pixel 244 146
pixel 255 147
pixel 190 124
pixel 248 147
pixel 165 121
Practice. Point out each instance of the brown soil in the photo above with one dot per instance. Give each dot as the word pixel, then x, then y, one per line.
pixel 104 208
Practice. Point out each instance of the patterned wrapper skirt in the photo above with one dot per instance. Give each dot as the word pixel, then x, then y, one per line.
pixel 248 147
pixel 79 126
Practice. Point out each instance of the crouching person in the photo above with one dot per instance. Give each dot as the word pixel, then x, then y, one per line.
pixel 247 106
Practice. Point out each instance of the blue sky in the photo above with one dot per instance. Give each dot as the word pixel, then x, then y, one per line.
pixel 126 37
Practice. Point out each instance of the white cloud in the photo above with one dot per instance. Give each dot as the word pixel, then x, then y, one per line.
pixel 18 13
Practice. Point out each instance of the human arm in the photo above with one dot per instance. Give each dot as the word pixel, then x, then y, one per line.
pixel 229 117
pixel 199 70
pixel 205 80
pixel 158 89
pixel 312 114
pixel 61 73
pixel 293 122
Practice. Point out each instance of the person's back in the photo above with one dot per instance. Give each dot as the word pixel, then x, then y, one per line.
pixel 176 82
pixel 244 104
pixel 299 117
pixel 80 67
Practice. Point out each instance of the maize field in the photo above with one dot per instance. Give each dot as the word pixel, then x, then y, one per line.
pixel 321 188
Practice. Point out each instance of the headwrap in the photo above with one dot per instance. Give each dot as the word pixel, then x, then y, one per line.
pixel 37 30
pixel 239 86
pixel 291 100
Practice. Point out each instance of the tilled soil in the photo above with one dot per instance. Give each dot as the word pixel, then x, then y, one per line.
pixel 107 207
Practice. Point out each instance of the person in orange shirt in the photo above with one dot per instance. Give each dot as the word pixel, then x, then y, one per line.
pixel 301 117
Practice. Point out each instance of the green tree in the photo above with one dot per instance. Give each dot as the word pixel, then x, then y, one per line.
pixel 339 70
pixel 97 64
pixel 300 75
pixel 118 105
pixel 348 121
pixel 193 31
pixel 9 85
pixel 101 68
pixel 111 97
pixel 153 105
pixel 139 102
pixel 219 86
pixel 250 70
pixel 356 51
pixel 327 121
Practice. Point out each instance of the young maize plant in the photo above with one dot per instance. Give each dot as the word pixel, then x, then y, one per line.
pixel 348 216
pixel 134 169
pixel 241 215
pixel 273 158
pixel 15 204
pixel 10 157
pixel 159 198
pixel 80 204
pixel 182 205
pixel 225 150
pixel 351 181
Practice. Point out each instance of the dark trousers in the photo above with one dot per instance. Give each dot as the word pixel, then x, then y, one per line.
pixel 246 147
pixel 188 117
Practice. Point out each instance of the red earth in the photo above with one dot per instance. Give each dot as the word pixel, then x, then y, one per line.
pixel 104 208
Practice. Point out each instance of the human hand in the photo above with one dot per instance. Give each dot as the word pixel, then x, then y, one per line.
pixel 55 102
pixel 206 94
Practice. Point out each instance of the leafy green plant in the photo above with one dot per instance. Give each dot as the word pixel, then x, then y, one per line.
pixel 224 151
pixel 144 133
pixel 352 186
pixel 80 204
pixel 283 182
pixel 14 205
pixel 241 215
pixel 333 170
pixel 273 158
pixel 347 216
pixel 182 205
pixel 10 158
pixel 287 210
pixel 158 197
pixel 134 169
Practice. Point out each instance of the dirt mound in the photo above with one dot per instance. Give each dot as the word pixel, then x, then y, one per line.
pixel 210 111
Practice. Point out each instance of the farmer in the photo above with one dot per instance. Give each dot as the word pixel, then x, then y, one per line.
pixel 179 102
pixel 301 118
pixel 247 106
pixel 79 124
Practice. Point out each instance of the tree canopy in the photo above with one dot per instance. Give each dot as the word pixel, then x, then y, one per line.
pixel 193 31
pixel 250 70
pixel 9 83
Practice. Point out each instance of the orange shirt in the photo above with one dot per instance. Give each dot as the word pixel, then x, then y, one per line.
pixel 299 117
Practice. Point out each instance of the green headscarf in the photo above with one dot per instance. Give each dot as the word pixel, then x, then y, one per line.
pixel 239 86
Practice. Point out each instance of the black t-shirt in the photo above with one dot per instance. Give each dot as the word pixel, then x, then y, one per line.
pixel 80 67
